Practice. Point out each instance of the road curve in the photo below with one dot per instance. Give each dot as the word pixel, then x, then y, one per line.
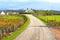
pixel 35 32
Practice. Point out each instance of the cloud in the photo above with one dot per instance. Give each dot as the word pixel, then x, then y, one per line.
pixel 19 0
pixel 51 1
pixel 14 0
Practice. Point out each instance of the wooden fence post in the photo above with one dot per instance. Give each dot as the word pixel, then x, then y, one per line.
pixel 0 34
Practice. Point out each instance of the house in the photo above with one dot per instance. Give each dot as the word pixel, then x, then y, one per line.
pixel 2 13
pixel 29 10
pixel 7 12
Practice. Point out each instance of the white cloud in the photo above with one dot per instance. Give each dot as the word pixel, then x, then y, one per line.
pixel 19 0
pixel 51 1
pixel 14 0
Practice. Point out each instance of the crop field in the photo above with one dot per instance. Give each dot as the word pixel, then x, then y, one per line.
pixel 9 23
pixel 53 20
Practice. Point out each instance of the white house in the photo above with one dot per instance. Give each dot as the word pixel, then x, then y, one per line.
pixel 2 13
pixel 7 13
pixel 28 10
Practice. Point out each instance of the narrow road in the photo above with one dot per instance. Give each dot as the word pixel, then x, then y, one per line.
pixel 35 32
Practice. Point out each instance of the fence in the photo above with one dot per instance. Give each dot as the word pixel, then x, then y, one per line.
pixel 52 23
pixel 5 31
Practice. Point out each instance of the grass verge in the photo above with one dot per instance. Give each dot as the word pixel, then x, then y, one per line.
pixel 18 31
pixel 43 21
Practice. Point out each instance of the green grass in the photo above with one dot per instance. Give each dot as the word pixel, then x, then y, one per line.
pixel 54 17
pixel 18 31
pixel 11 16
pixel 46 18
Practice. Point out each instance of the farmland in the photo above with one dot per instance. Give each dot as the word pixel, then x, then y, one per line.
pixel 9 20
pixel 50 18
pixel 54 17
pixel 10 23
pixel 53 20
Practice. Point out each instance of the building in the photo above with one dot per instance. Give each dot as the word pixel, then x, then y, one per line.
pixel 28 10
pixel 7 12
pixel 2 13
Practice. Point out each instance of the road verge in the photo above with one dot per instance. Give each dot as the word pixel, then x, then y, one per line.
pixel 18 31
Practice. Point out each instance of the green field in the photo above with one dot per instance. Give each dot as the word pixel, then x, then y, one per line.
pixel 51 20
pixel 18 31
pixel 12 26
pixel 54 17
pixel 8 20
pixel 11 16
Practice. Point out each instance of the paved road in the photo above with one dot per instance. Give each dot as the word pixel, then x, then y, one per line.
pixel 35 32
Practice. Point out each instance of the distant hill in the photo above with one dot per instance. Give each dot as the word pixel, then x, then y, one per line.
pixel 58 12
pixel 19 11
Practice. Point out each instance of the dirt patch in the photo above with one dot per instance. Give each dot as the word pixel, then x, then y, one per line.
pixel 56 33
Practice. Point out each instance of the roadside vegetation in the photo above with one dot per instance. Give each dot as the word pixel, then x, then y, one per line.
pixel 12 25
pixel 50 18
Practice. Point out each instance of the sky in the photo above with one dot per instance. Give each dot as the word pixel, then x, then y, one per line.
pixel 35 4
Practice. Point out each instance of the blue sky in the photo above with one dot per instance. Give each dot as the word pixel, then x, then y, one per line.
pixel 35 4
